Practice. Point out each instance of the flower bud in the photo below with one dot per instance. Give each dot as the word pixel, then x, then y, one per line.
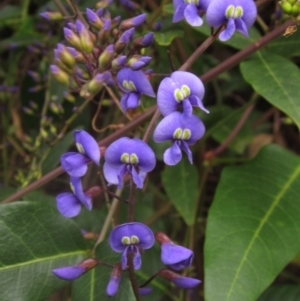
pixel 95 85
pixel 133 22
pixel 104 32
pixel 106 57
pixel 28 111
pixel 65 56
pixel 85 37
pixel 129 4
pixel 138 62
pixel 144 41
pixel 72 38
pixel 114 282
pixel 103 3
pixel 94 191
pixel 33 105
pixel 119 62
pixel 52 16
pixel 60 75
pixel 124 40
pixel 161 238
pixel 296 9
pixel 34 75
pixel 94 19
pixel 69 97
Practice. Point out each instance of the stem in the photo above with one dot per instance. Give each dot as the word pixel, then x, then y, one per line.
pixel 132 278
pixel 151 126
pixel 131 202
pixel 149 280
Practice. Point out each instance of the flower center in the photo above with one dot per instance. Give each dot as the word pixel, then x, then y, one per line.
pixel 72 188
pixel 180 134
pixel 129 85
pixel 133 240
pixel 182 93
pixel 125 240
pixel 129 159
pixel 234 12
pixel 196 2
pixel 80 148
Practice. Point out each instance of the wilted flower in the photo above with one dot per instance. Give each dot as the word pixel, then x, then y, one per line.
pixel 182 132
pixel 134 84
pixel 189 10
pixel 238 15
pixel 128 156
pixel 129 239
pixel 178 280
pixel 69 204
pixel 183 90
pixel 75 164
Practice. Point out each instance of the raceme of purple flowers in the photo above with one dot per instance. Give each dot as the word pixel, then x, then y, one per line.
pixel 235 15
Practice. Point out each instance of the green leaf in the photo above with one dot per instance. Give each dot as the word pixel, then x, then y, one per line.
pixel 92 286
pixel 277 80
pixel 181 184
pixel 166 38
pixel 35 240
pixel 168 8
pixel 281 293
pixel 253 225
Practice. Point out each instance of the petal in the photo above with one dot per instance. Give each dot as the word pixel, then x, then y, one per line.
pixel 124 258
pixel 78 191
pixel 121 173
pixel 186 149
pixel 137 260
pixel 136 178
pixel 74 164
pixel 69 273
pixel 187 110
pixel 179 11
pixel 176 256
pixel 111 173
pixel 143 232
pixel 139 80
pixel 204 4
pixel 215 14
pixel 68 204
pixel 113 286
pixel 186 282
pixel 172 155
pixel 165 96
pixel 197 128
pixel 191 15
pixel 123 102
pixel 196 102
pixel 228 32
pixel 133 100
pixel 89 144
pixel 250 12
pixel 241 27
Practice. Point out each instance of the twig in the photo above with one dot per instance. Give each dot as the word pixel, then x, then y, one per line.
pixel 131 202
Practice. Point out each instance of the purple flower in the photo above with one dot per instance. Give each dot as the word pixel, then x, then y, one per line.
pixel 177 257
pixel 130 238
pixel 134 84
pixel 75 164
pixel 133 22
pixel 238 15
pixel 182 132
pixel 128 156
pixel 189 10
pixel 129 4
pixel 69 204
pixel 183 90
pixel 114 282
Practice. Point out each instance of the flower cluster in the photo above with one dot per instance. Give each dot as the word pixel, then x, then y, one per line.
pixel 235 15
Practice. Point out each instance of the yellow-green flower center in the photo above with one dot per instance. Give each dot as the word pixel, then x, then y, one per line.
pixel 80 148
pixel 133 240
pixel 129 159
pixel 196 2
pixel 180 134
pixel 182 93
pixel 129 85
pixel 234 12
pixel 126 241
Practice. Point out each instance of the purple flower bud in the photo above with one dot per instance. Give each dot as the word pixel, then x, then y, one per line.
pixel 60 75
pixel 144 41
pixel 104 3
pixel 145 291
pixel 63 54
pixel 114 282
pixel 157 26
pixel 86 42
pixel 34 75
pixel 72 26
pixel 133 22
pixel 130 238
pixel 52 16
pixel 124 40
pixel 94 19
pixel 72 38
pixel 106 57
pixel 236 15
pixel 115 21
pixel 77 55
pixel 138 62
pixel 129 4
pixel 119 62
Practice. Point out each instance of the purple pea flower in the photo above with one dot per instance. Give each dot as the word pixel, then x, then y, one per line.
pixel 177 257
pixel 238 15
pixel 130 238
pixel 189 10
pixel 75 164
pixel 69 204
pixel 182 132
pixel 114 281
pixel 183 90
pixel 128 156
pixel 134 84
pixel 138 62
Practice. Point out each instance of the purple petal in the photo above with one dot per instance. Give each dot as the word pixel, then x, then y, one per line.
pixel 250 12
pixel 111 173
pixel 139 80
pixel 133 100
pixel 196 102
pixel 143 232
pixel 173 155
pixel 69 273
pixel 89 145
pixel 137 261
pixel 74 164
pixel 177 257
pixel 187 109
pixel 179 7
pixel 228 32
pixel 68 204
pixel 184 146
pixel 113 286
pixel 121 173
pixel 78 191
pixel 136 178
pixel 215 14
pixel 124 258
pixel 123 102
pixel 241 27
pixel 185 282
pixel 191 15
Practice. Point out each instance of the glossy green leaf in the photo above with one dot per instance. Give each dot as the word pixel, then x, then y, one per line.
pixel 181 184
pixel 92 286
pixel 253 226
pixel 34 240
pixel 281 293
pixel 166 38
pixel 277 80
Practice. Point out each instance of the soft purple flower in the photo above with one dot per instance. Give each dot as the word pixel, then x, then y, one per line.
pixel 238 15
pixel 183 90
pixel 189 10
pixel 182 132
pixel 134 84
pixel 69 204
pixel 69 273
pixel 138 62
pixel 128 156
pixel 75 164
pixel 114 281
pixel 130 238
